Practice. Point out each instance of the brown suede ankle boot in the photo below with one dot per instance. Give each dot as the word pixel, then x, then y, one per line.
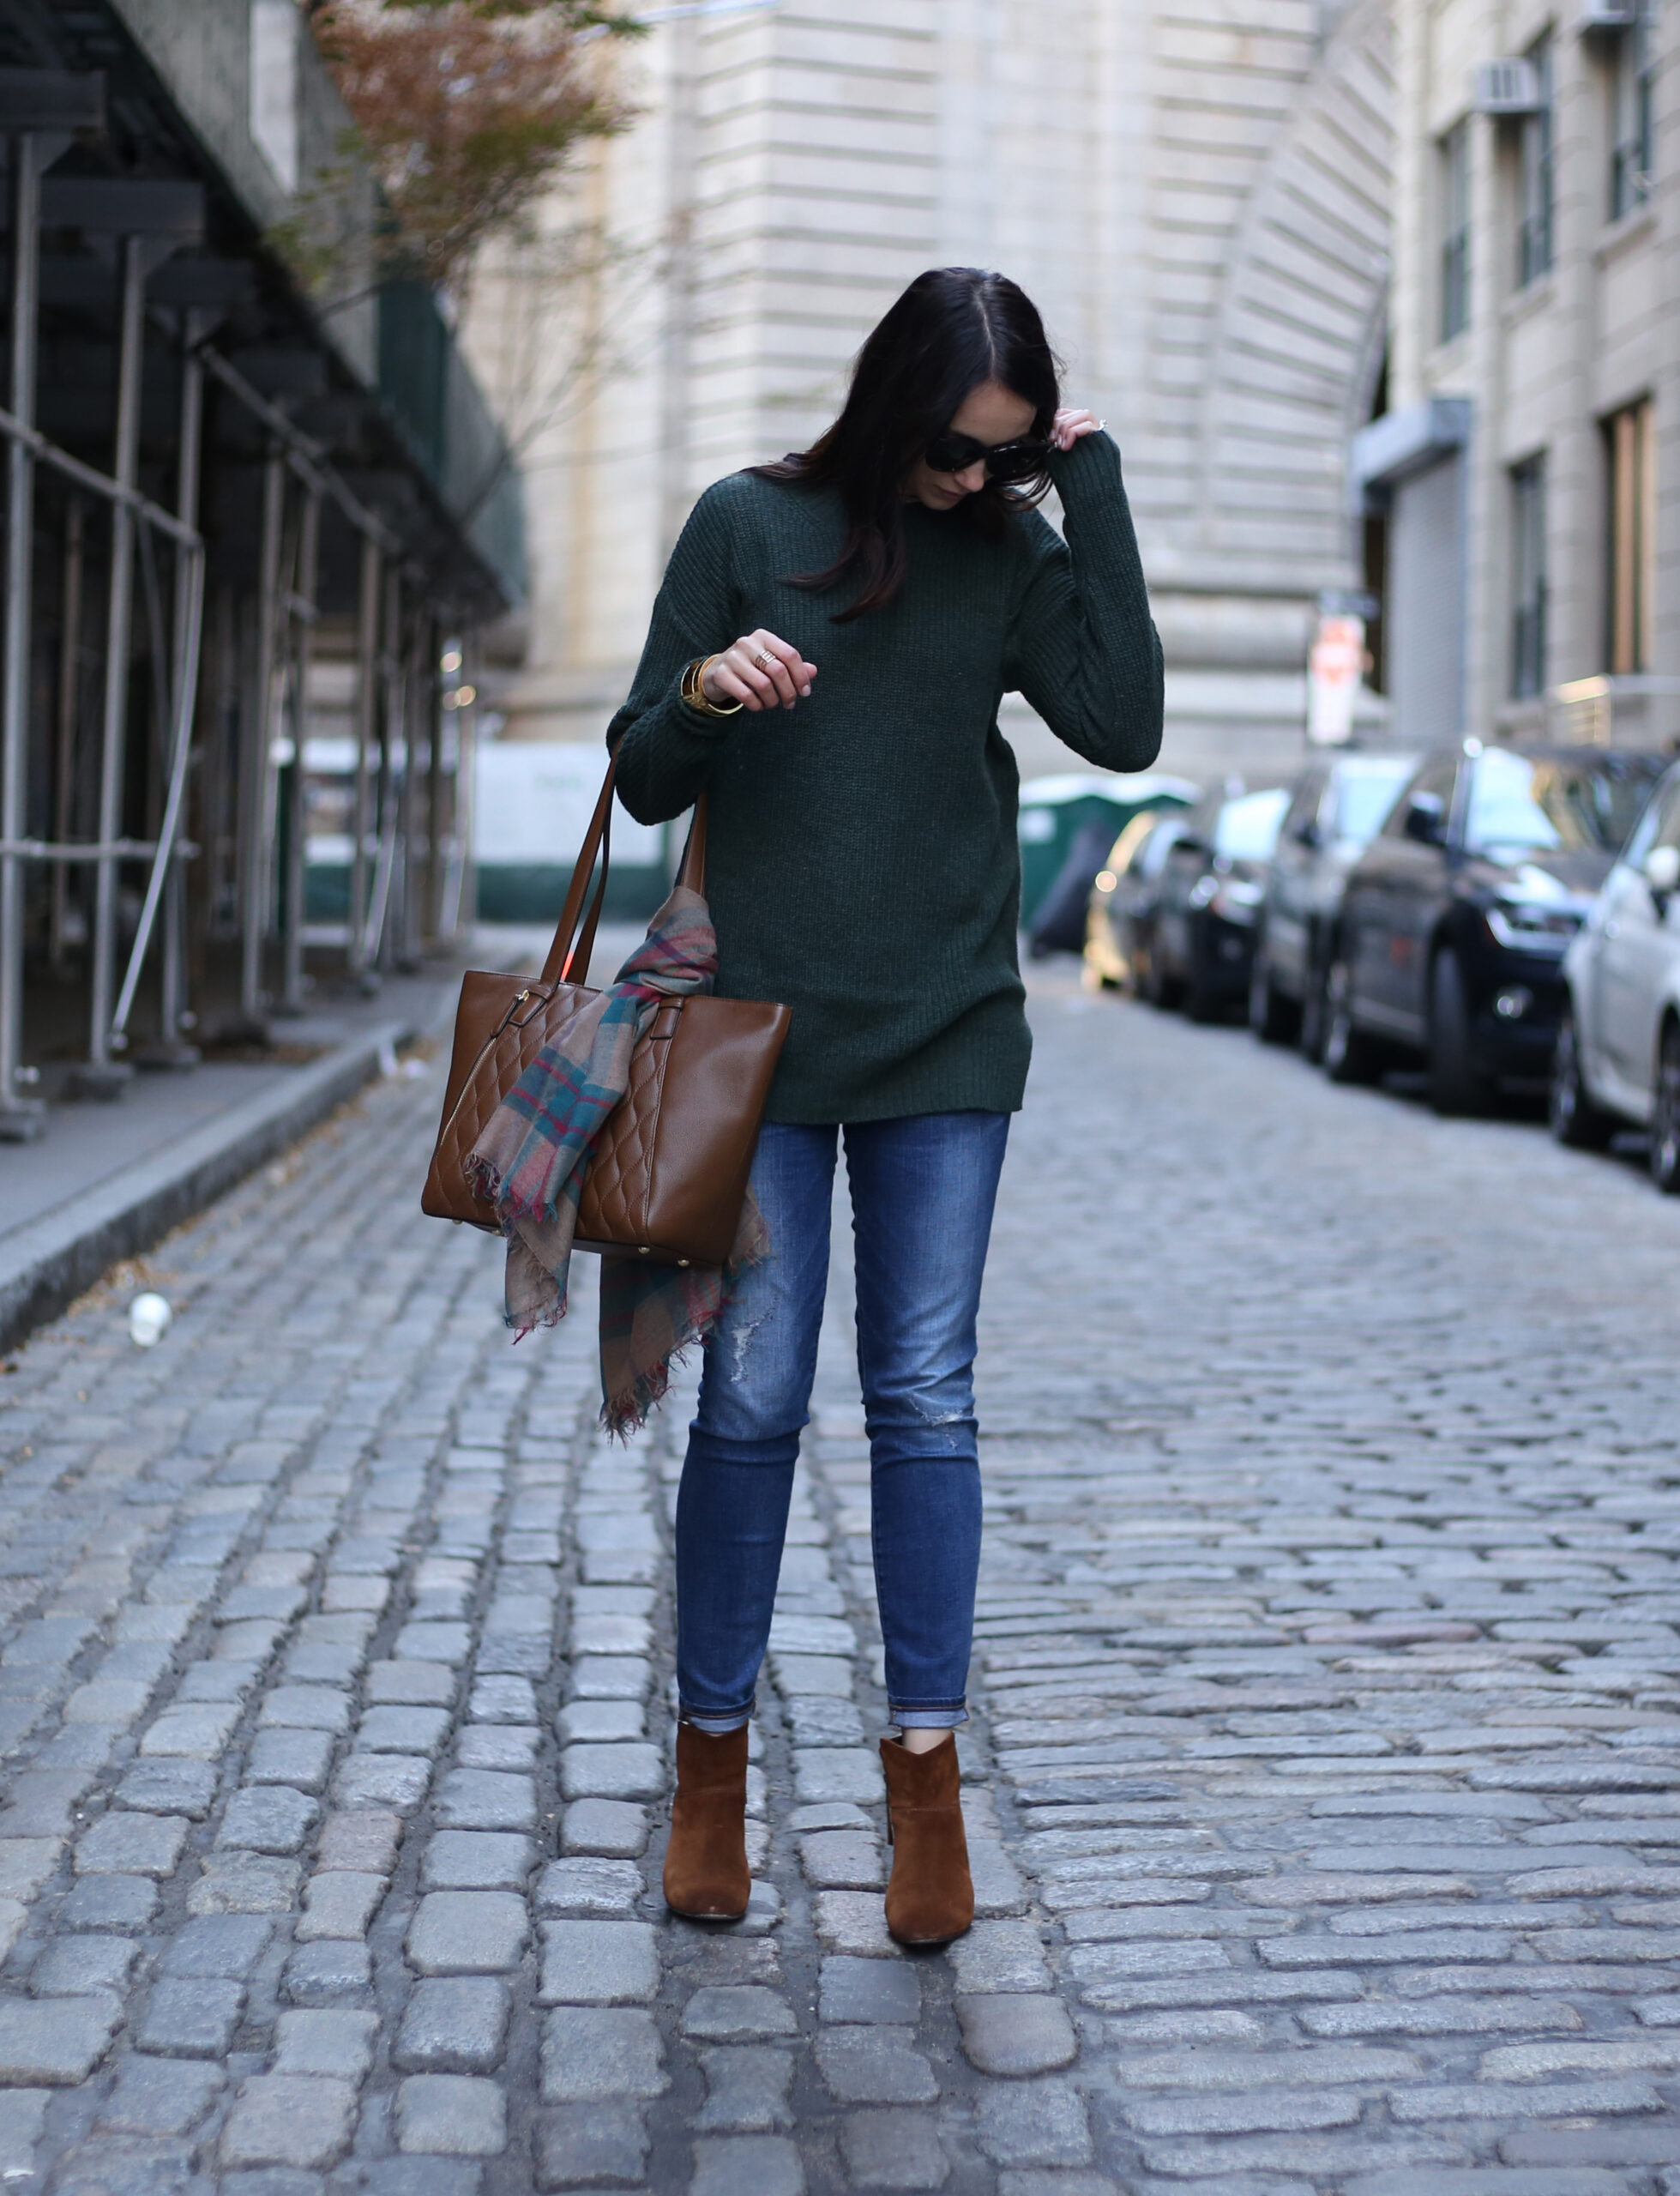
pixel 705 1873
pixel 930 1897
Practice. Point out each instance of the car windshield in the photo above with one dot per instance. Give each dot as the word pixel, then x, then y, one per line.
pixel 1365 790
pixel 1562 804
pixel 1248 827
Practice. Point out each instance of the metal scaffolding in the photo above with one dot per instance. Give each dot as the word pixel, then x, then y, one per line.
pixel 217 597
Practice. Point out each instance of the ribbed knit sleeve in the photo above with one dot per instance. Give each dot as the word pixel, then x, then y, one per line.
pixel 668 748
pixel 1082 647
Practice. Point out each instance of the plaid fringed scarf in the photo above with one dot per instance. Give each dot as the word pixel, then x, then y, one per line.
pixel 531 1158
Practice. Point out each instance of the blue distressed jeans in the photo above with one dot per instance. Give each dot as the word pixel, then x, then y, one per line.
pixel 923 1189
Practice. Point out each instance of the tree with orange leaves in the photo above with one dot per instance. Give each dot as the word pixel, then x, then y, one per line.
pixel 468 110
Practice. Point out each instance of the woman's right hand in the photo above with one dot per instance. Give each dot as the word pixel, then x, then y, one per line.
pixel 760 670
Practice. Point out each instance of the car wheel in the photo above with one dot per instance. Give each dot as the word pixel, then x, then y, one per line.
pixel 1273 1018
pixel 1457 1085
pixel 1574 1118
pixel 1665 1116
pixel 1349 1055
pixel 1315 1011
pixel 1203 1000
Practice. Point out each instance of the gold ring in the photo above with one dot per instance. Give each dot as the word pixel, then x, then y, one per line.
pixel 764 662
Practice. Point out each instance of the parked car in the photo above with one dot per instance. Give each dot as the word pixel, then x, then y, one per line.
pixel 1339 802
pixel 1125 900
pixel 1617 1056
pixel 1456 917
pixel 1212 884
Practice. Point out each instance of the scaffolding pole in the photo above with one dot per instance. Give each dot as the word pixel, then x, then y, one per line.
pixel 103 1077
pixel 302 609
pixel 255 774
pixel 367 714
pixel 21 1118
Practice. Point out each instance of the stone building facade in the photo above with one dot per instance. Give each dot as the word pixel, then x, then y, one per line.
pixel 1196 194
pixel 1527 468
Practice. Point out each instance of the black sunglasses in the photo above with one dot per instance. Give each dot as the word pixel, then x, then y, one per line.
pixel 954 453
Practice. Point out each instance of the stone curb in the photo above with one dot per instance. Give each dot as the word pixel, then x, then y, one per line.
pixel 48 1264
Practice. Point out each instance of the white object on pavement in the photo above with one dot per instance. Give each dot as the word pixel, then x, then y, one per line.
pixel 150 1316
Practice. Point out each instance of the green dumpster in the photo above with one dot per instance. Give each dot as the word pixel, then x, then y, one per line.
pixel 1054 811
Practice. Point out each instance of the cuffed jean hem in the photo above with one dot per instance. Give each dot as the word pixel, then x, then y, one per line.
pixel 927 1719
pixel 718 1722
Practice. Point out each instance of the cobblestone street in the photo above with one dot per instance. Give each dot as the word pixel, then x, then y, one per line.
pixel 1322 1786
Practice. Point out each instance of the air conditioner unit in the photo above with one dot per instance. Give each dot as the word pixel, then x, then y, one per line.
pixel 1508 89
pixel 1607 16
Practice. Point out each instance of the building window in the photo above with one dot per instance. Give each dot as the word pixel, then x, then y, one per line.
pixel 1631 450
pixel 1528 578
pixel 1534 231
pixel 1454 153
pixel 1632 112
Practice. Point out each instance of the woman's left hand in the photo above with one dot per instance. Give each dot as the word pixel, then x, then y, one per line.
pixel 1068 427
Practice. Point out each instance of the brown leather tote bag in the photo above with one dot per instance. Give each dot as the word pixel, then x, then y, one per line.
pixel 669 1174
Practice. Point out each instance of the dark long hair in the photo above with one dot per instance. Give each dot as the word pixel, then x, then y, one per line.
pixel 952 329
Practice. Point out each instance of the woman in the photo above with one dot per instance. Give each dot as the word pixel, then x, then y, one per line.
pixel 826 657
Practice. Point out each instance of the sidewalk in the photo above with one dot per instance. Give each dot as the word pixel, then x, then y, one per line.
pixel 106 1181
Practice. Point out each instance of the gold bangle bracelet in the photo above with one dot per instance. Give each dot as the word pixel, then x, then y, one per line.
pixel 695 694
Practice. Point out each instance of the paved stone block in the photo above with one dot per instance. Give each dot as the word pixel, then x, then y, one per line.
pixel 1279 2111
pixel 169 1788
pixel 874 2066
pixel 590 1887
pixel 746 2165
pixel 333 1971
pixel 453 2024
pixel 838 1773
pixel 893 2149
pixel 192 2018
pixel 268 1818
pixel 613 1772
pixel 591 2147
pixel 1000 1955
pixel 364 1841
pixel 338 1905
pixel 434 1643
pixel 468 1933
pixel 481 1798
pixel 26 1863
pixel 245 1883
pixel 498 1745
pixel 397 1781
pixel 339 2044
pixel 853 1921
pixel 295 2120
pixel 306 1708
pixel 452 2116
pixel 297 1757
pixel 1012 2033
pixel 746 2091
pixel 843 1859
pixel 476 1860
pixel 403 1730
pixel 1033 2123
pixel 159 2097
pixel 592 2052
pixel 22 2115
pixel 600 1721
pixel 724 2013
pixel 411 1684
pixel 132 1845
pixel 598 1964
pixel 109 1903
pixel 77 1967
pixel 610 1677
pixel 869 1990
pixel 504 1699
pixel 616 1828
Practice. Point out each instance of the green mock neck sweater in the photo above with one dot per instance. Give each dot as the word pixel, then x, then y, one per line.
pixel 863 864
